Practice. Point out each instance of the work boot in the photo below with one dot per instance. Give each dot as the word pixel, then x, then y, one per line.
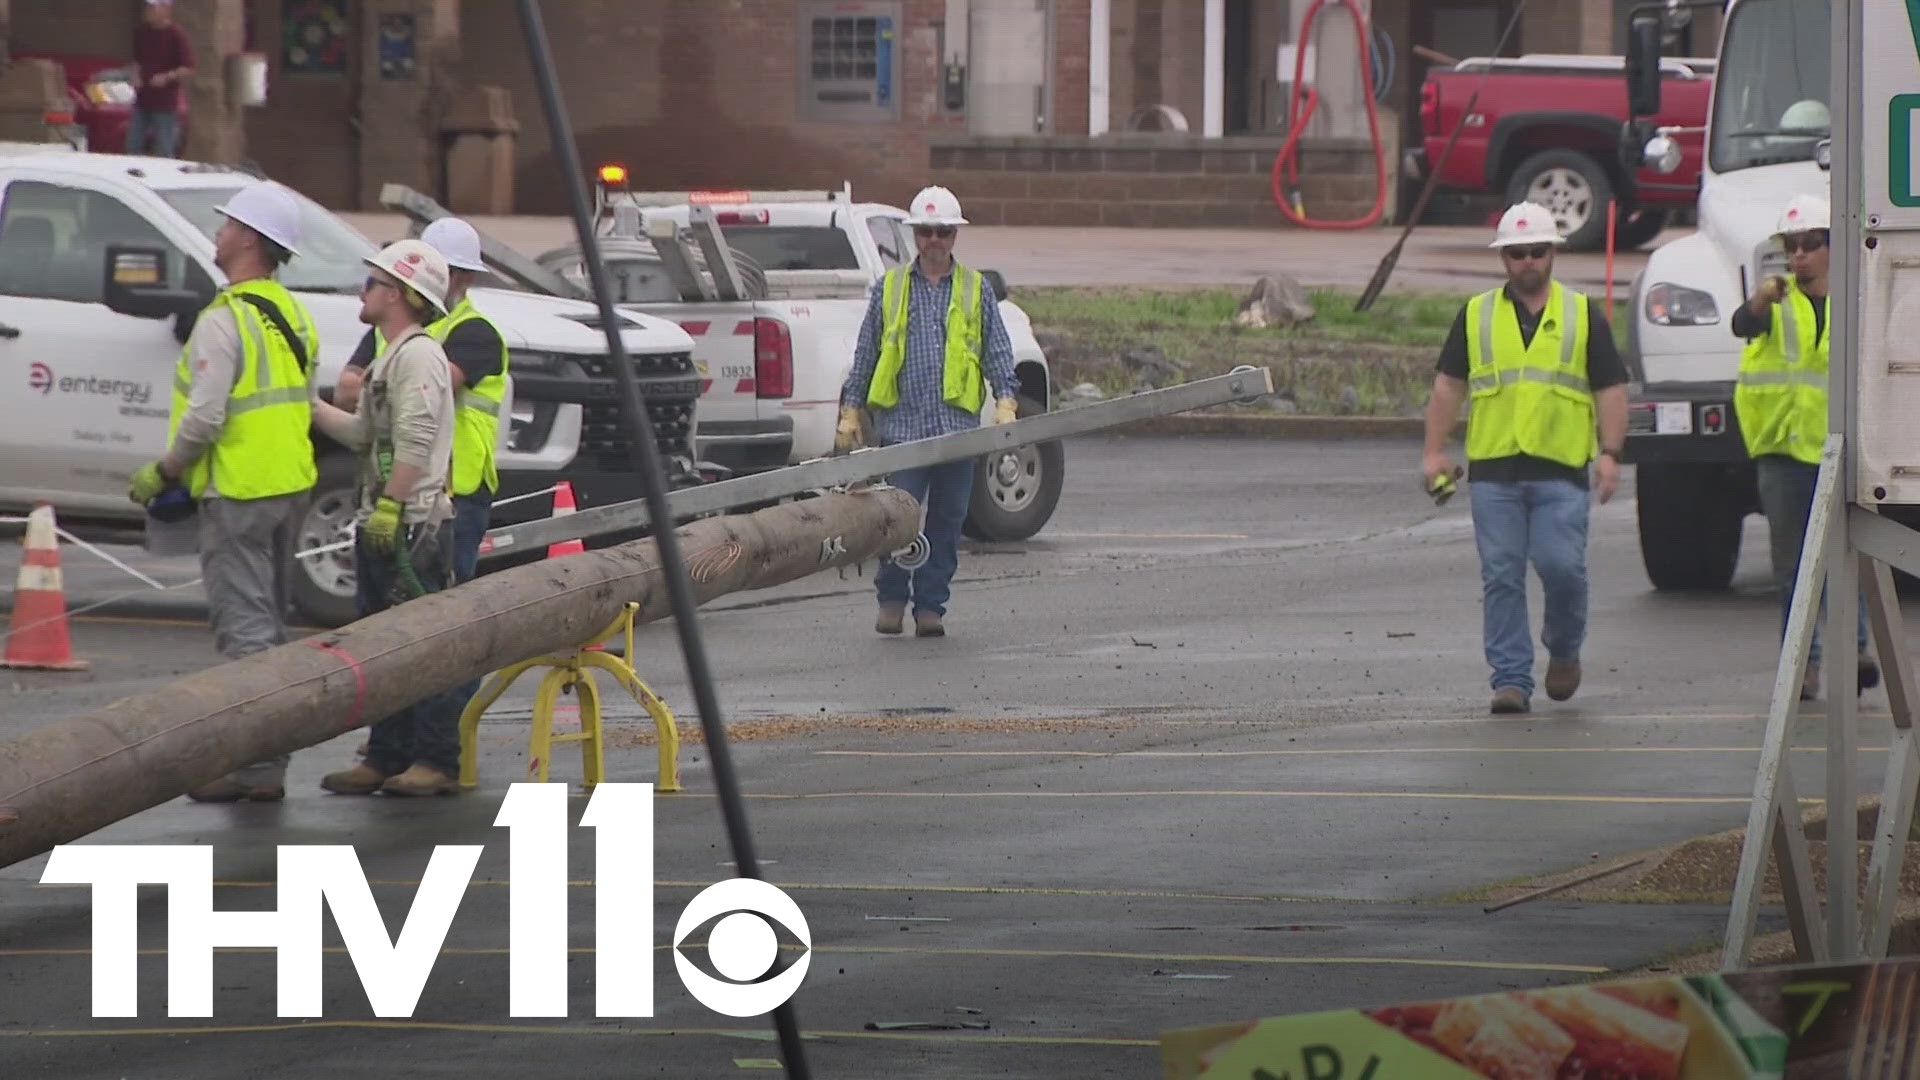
pixel 1810 682
pixel 892 616
pixel 1510 699
pixel 1869 674
pixel 420 780
pixel 1563 678
pixel 362 779
pixel 227 789
pixel 927 624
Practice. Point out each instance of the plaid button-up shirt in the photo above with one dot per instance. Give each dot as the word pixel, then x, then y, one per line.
pixel 922 412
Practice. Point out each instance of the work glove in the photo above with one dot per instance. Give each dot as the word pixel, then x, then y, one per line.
pixel 1006 411
pixel 1774 289
pixel 146 483
pixel 846 437
pixel 382 526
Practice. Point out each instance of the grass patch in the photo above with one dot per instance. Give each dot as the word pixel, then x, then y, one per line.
pixel 1342 363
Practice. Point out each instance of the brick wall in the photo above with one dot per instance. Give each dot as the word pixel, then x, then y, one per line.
pixel 702 93
pixel 1151 180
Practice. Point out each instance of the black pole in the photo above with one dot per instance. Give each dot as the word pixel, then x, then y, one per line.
pixel 646 459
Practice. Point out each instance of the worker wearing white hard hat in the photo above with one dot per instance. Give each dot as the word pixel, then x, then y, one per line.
pixel 402 429
pixel 1548 402
pixel 478 352
pixel 1780 404
pixel 239 451
pixel 932 349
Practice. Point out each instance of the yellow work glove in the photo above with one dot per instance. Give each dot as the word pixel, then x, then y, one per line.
pixel 146 483
pixel 847 436
pixel 1006 411
pixel 382 526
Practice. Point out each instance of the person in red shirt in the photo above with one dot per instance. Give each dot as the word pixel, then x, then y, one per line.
pixel 161 58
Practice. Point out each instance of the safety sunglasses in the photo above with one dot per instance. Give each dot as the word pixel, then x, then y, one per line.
pixel 373 283
pixel 944 232
pixel 1807 242
pixel 1534 251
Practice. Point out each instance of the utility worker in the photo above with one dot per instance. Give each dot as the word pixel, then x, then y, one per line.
pixel 932 345
pixel 402 427
pixel 238 443
pixel 478 352
pixel 1539 363
pixel 1781 405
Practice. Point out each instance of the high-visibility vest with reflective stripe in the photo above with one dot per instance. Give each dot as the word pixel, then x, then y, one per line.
pixel 963 382
pixel 1530 398
pixel 1781 396
pixel 265 446
pixel 477 407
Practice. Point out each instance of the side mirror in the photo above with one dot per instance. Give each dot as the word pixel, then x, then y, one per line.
pixel 136 285
pixel 997 282
pixel 1645 36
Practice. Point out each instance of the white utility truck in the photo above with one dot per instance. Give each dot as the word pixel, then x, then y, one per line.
pixel 95 361
pixel 1767 140
pixel 772 286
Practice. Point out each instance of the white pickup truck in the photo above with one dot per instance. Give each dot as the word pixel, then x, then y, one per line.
pixel 774 328
pixel 95 361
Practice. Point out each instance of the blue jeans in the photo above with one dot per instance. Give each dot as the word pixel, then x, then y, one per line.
pixel 470 516
pixel 163 126
pixel 1543 522
pixel 944 492
pixel 428 731
pixel 1786 498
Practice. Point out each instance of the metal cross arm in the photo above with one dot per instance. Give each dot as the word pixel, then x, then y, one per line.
pixel 1240 384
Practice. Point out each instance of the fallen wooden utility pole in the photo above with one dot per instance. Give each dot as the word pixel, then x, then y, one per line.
pixel 83 773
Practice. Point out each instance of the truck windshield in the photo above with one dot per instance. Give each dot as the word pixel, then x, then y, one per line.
pixel 1770 106
pixel 330 250
pixel 786 247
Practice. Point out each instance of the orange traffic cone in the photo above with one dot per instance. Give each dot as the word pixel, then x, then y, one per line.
pixel 38 636
pixel 562 506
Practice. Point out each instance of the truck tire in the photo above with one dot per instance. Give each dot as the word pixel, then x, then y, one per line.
pixel 323 586
pixel 1572 185
pixel 1690 526
pixel 1014 493
pixel 1639 228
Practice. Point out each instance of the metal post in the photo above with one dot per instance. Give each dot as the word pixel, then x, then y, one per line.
pixel 1843 580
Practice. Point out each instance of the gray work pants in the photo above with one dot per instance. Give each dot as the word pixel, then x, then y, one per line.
pixel 246 551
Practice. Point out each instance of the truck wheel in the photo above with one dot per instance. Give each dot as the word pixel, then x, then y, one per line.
pixel 1689 526
pixel 1574 187
pixel 323 585
pixel 1639 229
pixel 1014 493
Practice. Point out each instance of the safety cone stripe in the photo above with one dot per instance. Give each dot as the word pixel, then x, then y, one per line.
pixel 42 557
pixel 38 579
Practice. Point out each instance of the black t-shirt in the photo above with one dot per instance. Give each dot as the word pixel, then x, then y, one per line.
pixel 1748 325
pixel 1604 369
pixel 474 347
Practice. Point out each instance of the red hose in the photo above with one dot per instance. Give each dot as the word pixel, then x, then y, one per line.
pixel 1288 157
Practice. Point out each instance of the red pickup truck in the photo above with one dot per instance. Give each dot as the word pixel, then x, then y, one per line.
pixel 1547 128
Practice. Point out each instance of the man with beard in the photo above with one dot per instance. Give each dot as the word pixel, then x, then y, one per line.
pixel 1781 404
pixel 1548 399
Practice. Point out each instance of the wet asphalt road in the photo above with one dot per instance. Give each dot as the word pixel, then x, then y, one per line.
pixel 1212 747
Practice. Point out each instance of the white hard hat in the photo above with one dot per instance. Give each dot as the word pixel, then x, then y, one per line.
pixel 1804 214
pixel 456 241
pixel 1526 223
pixel 935 206
pixel 270 210
pixel 418 266
pixel 1807 114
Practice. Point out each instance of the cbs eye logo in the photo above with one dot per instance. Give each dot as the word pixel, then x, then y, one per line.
pixel 742 947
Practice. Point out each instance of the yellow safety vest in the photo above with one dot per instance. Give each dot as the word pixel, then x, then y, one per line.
pixel 1530 398
pixel 963 383
pixel 265 447
pixel 1781 397
pixel 477 412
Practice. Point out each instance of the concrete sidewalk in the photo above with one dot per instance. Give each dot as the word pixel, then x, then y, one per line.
pixel 1435 259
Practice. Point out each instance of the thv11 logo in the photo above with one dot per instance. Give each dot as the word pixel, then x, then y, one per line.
pixel 393 971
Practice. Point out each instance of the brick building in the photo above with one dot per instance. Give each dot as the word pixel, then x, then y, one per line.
pixel 1035 111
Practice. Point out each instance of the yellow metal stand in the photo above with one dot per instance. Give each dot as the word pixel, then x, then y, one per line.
pixel 570 670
